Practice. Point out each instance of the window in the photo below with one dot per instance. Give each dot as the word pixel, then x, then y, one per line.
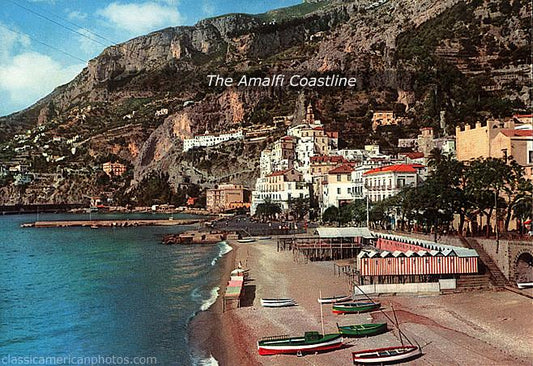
pixel 530 156
pixel 338 191
pixel 338 177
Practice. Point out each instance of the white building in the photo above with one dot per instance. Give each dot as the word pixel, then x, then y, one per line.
pixel 279 188
pixel 265 163
pixel 208 139
pixel 303 152
pixel 338 188
pixel 360 191
pixel 387 181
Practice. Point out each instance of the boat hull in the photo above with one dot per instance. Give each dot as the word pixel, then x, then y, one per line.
pixel 245 240
pixel 273 349
pixel 385 355
pixel 277 304
pixel 351 309
pixel 363 330
pixel 333 300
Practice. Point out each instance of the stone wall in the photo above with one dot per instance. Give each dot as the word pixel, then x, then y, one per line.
pixel 424 287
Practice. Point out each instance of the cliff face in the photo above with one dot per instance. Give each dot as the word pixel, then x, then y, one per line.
pixel 470 54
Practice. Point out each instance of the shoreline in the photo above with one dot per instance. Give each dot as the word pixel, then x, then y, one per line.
pixel 203 333
pixel 450 328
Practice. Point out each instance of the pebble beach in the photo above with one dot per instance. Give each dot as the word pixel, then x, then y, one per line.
pixel 475 328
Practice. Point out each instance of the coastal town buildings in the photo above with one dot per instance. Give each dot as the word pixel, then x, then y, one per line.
pixel 383 118
pixel 114 169
pixel 472 143
pixel 426 142
pixel 515 143
pixel 210 139
pixel 225 197
pixel 339 187
pixel 497 139
pixel 387 181
pixel 279 188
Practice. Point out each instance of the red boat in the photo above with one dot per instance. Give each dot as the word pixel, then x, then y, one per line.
pixel 311 342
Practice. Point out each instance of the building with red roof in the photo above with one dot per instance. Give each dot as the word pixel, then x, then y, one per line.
pixel 338 188
pixel 386 181
pixel 515 143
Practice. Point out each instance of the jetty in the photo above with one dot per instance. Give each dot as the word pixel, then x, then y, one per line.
pixel 95 224
pixel 195 237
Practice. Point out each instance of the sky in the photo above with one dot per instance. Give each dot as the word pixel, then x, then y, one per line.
pixel 46 43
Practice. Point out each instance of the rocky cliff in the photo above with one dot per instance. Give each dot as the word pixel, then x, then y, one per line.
pixel 418 57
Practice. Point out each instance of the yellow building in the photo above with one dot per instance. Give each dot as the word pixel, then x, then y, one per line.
pixel 472 143
pixel 515 143
pixel 225 197
pixel 383 118
pixel 114 169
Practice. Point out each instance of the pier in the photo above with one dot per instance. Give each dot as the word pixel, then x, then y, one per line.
pixel 109 223
pixel 314 248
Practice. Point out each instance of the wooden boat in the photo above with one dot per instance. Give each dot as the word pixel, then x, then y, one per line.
pixel 386 355
pixel 277 303
pixel 246 240
pixel 264 238
pixel 362 330
pixel 524 284
pixel 334 299
pixel 311 342
pixel 355 307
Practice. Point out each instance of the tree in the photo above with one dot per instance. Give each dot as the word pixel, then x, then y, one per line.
pixel 449 176
pixel 299 207
pixel 268 209
pixel 486 180
pixel 516 188
pixel 331 214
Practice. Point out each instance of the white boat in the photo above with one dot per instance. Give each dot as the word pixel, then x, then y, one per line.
pixel 245 240
pixel 277 303
pixel 334 299
pixel 524 284
pixel 385 355
pixel 264 238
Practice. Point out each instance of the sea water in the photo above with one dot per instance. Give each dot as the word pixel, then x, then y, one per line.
pixel 72 293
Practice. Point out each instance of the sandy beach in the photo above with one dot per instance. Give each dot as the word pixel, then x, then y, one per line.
pixel 476 328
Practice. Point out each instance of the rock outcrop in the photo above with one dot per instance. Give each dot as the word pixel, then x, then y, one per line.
pixel 399 50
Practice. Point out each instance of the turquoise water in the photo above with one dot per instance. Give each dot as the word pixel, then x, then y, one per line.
pixel 81 292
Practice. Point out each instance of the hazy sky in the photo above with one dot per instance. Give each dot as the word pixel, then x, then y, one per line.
pixel 38 53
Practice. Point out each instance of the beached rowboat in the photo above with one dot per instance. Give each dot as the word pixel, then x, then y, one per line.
pixel 334 299
pixel 246 240
pixel 524 284
pixel 277 303
pixel 362 330
pixel 311 342
pixel 355 307
pixel 385 355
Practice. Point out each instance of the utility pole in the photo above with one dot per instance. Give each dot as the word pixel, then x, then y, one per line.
pixel 496 220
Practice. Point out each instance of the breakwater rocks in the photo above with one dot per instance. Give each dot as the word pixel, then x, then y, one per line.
pixel 196 237
pixel 109 223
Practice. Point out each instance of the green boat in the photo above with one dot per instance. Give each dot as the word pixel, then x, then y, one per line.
pixel 362 330
pixel 311 342
pixel 355 307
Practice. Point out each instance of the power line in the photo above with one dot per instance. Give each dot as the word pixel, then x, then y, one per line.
pixel 57 23
pixel 71 23
pixel 43 43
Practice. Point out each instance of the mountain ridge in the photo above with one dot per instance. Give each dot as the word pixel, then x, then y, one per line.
pixel 392 48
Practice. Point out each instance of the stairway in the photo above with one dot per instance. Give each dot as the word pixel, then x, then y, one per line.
pixel 497 279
